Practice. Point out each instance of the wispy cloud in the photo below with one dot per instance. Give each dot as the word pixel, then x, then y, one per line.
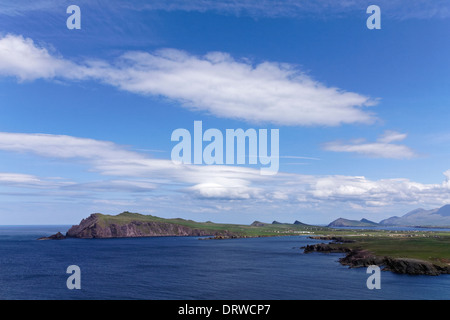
pixel 124 186
pixel 382 148
pixel 18 8
pixel 61 146
pixel 21 180
pixel 142 172
pixel 215 83
pixel 398 9
pixel 316 8
pixel 299 157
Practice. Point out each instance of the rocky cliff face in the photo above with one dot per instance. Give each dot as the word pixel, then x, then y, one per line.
pixel 92 228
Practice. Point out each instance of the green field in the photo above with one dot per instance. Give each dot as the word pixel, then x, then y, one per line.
pixel 433 247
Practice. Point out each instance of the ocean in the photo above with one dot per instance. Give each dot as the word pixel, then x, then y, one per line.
pixel 186 268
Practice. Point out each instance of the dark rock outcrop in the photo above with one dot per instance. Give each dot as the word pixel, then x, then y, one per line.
pixel 324 248
pixel 224 237
pixel 362 258
pixel 333 238
pixel 414 267
pixel 56 236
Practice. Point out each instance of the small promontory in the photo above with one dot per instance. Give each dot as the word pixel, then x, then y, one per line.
pixel 56 236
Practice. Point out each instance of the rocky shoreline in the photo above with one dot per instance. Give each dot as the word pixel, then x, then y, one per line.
pixel 234 236
pixel 359 258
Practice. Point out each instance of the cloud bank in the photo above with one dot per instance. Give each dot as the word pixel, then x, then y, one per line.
pixel 129 171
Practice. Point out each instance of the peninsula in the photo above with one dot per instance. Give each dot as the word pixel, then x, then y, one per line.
pixel 131 225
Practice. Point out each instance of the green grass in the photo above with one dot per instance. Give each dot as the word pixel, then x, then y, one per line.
pixel 238 229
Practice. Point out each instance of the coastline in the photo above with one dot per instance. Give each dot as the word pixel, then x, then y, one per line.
pixel 403 252
pixel 358 257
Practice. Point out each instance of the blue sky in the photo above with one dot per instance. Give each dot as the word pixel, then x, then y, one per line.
pixel 87 114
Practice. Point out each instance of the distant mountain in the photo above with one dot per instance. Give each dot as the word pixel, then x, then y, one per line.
pixel 341 222
pixel 444 211
pixel 438 217
pixel 368 221
pixel 258 224
pixel 300 223
pixel 296 222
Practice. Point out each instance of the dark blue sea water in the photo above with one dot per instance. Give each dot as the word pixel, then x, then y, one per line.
pixel 188 268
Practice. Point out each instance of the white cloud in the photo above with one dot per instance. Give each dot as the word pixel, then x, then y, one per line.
pixel 392 136
pixel 215 83
pixel 382 148
pixel 220 191
pixel 384 192
pixel 20 57
pixel 135 172
pixel 446 183
pixel 222 86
